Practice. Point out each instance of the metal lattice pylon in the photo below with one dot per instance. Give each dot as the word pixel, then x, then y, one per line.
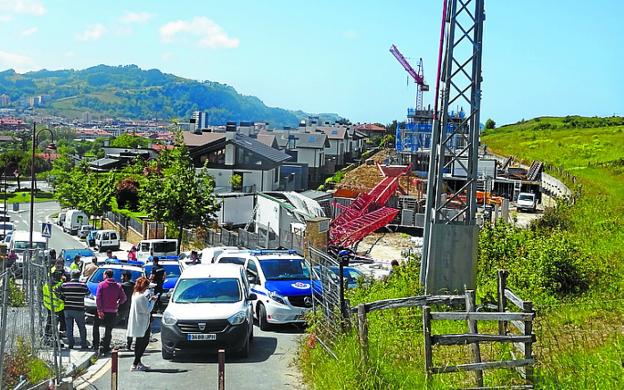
pixel 450 228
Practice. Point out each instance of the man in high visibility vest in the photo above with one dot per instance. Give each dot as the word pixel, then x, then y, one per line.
pixel 51 299
pixel 76 264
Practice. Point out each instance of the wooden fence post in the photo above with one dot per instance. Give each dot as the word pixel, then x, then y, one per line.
pixel 472 328
pixel 528 346
pixel 502 300
pixel 427 336
pixel 363 333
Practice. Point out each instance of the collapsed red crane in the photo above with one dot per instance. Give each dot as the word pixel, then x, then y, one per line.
pixel 368 212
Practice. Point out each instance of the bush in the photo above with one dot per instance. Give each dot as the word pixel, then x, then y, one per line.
pixel 127 194
pixel 22 362
pixel 17 297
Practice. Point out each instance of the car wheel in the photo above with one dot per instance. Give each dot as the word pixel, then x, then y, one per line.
pixel 244 352
pixel 166 355
pixel 251 335
pixel 262 318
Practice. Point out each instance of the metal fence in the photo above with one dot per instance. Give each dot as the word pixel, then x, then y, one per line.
pixel 330 307
pixel 24 324
pixel 246 239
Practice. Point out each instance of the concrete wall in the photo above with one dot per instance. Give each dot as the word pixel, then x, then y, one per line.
pixel 250 178
pixel 133 236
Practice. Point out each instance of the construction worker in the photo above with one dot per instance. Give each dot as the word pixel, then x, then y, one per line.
pixel 52 300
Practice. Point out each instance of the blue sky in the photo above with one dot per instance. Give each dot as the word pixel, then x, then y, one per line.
pixel 539 58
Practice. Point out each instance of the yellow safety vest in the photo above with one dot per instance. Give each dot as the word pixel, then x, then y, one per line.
pixel 51 299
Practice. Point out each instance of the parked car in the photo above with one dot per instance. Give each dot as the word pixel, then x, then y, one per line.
pixel 157 247
pixel 282 279
pixel 211 308
pixel 526 201
pixel 172 273
pixel 7 238
pixel 74 220
pixel 6 228
pixel 232 256
pixel 208 255
pixel 352 276
pixel 86 256
pixel 84 231
pixel 20 242
pixel 61 218
pixel 118 267
pixel 107 239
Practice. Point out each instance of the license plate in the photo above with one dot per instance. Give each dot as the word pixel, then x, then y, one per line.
pixel 201 337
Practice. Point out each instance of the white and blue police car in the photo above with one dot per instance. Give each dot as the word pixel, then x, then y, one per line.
pixel 283 286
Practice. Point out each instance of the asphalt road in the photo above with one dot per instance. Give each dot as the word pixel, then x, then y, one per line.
pixel 269 366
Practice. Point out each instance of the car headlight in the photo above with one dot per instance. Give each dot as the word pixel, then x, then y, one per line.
pixel 238 318
pixel 276 297
pixel 169 319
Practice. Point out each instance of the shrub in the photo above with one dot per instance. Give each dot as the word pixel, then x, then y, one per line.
pixel 127 194
pixel 17 297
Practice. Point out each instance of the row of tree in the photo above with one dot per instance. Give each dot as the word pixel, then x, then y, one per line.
pixel 167 189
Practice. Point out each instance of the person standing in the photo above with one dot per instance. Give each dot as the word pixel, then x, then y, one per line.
pixel 51 299
pixel 139 321
pixel 73 293
pixel 157 277
pixel 107 299
pixel 90 268
pixel 75 265
pixel 194 258
pixel 128 286
pixel 132 254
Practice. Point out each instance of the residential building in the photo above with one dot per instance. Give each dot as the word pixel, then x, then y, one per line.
pixel 5 100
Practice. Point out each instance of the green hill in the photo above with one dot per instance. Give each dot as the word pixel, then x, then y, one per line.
pixel 134 93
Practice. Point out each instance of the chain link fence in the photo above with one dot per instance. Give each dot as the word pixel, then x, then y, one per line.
pixel 27 331
pixel 329 305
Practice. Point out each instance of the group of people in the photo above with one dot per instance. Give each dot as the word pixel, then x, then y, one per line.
pixel 64 300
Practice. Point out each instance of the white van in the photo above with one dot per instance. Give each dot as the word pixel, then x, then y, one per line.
pixel 526 201
pixel 107 239
pixel 20 243
pixel 5 229
pixel 74 220
pixel 158 247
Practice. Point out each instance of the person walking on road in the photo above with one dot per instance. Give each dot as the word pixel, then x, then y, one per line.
pixel 107 299
pixel 124 309
pixel 73 293
pixel 90 268
pixel 158 278
pixel 139 321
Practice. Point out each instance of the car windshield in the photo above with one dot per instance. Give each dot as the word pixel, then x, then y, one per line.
pixel 232 260
pixel 98 275
pixel 171 270
pixel 207 290
pixel 6 226
pixel 164 247
pixel 526 197
pixel 285 269
pixel 21 246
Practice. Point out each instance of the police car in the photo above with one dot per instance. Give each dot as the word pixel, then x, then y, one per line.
pixel 118 266
pixel 283 286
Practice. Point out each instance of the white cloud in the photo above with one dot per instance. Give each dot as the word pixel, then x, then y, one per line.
pixel 351 34
pixel 92 33
pixel 29 7
pixel 208 33
pixel 166 56
pixel 136 17
pixel 29 31
pixel 5 18
pixel 16 61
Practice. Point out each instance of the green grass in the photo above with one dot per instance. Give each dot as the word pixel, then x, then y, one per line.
pixel 138 215
pixel 24 197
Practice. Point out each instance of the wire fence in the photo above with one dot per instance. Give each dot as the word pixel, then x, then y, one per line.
pixel 27 331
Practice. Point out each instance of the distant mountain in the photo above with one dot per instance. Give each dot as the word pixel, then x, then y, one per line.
pixel 133 93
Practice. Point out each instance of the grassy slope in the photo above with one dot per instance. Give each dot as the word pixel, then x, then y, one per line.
pixel 580 340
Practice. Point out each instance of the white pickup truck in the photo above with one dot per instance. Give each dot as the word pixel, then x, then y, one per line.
pixel 526 201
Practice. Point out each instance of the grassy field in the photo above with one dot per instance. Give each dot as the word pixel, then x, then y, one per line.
pixel 571 265
pixel 24 197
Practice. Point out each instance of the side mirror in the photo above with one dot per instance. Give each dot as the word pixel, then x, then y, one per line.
pixel 252 297
pixel 252 279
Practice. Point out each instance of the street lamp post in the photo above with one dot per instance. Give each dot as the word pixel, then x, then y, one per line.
pixel 32 175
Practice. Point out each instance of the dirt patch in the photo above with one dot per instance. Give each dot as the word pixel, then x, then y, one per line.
pixel 386 247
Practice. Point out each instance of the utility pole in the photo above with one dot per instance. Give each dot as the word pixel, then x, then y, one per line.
pixel 451 233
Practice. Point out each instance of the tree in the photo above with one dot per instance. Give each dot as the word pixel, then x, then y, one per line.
pixel 68 182
pixel 236 181
pixel 174 192
pixel 490 124
pixel 97 193
pixel 129 141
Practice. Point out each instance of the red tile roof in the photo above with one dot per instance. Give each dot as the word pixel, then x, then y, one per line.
pixel 370 127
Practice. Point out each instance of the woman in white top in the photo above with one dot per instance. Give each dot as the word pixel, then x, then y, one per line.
pixel 139 321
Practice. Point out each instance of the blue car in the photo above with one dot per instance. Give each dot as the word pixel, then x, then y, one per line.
pixel 172 274
pixel 118 267
pixel 68 256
